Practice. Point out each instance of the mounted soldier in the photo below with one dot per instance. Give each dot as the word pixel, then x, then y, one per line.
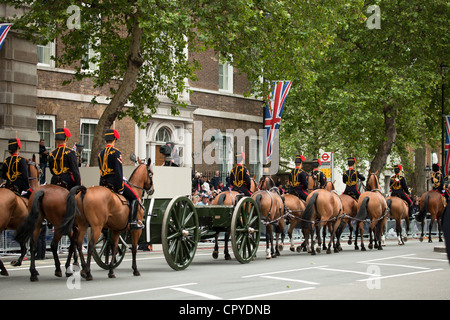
pixel 399 187
pixel 239 176
pixel 111 175
pixel 15 171
pixel 63 162
pixel 298 183
pixel 350 178
pixel 437 178
pixel 318 175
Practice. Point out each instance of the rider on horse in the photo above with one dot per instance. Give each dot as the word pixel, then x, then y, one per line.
pixel 298 182
pixel 399 187
pixel 317 174
pixel 437 178
pixel 15 171
pixel 239 176
pixel 350 178
pixel 111 172
pixel 63 162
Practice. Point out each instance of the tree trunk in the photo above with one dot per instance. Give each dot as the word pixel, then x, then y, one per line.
pixel 126 87
pixel 390 135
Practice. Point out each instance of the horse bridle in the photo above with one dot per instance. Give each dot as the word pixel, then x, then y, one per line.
pixel 38 168
pixel 148 190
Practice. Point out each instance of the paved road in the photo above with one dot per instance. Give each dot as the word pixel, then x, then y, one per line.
pixel 413 271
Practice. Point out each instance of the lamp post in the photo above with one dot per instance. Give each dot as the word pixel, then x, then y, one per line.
pixel 443 68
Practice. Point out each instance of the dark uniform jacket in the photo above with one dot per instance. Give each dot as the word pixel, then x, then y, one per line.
pixel 298 182
pixel 240 179
pixel 64 168
pixel 350 178
pixel 438 181
pixel 399 188
pixel 320 177
pixel 111 170
pixel 15 172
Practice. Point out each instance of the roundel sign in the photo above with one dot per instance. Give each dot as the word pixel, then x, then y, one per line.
pixel 325 157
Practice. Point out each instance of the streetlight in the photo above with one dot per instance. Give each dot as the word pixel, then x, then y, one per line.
pixel 443 68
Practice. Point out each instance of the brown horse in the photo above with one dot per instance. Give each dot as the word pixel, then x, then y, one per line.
pixel 14 210
pixel 431 202
pixel 372 205
pixel 271 209
pixel 350 210
pixel 398 209
pixel 228 198
pixel 323 208
pixel 101 208
pixel 296 207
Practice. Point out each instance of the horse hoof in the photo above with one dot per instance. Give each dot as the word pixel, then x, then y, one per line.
pixel 268 257
pixel 34 279
pixel 370 246
pixel 337 250
pixel 227 257
pixel 292 249
pixel 215 254
pixel 58 274
pixel 89 277
pixel 112 276
pixel 299 249
pixel 429 240
pixel 16 263
pixel 69 274
pixel 349 242
pixel 363 249
pixel 4 273
pixel 280 247
pixel 328 251
pixel 380 248
pixel 136 274
pixel 421 239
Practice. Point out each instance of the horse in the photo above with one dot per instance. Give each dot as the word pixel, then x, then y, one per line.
pixel 14 210
pixel 431 202
pixel 349 205
pixel 323 208
pixel 48 202
pixel 228 198
pixel 296 207
pixel 399 210
pixel 271 208
pixel 99 207
pixel 372 205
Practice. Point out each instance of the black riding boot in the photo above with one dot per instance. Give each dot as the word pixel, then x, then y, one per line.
pixel 134 223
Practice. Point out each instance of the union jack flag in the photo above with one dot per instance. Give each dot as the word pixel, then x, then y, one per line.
pixel 272 114
pixel 4 28
pixel 447 146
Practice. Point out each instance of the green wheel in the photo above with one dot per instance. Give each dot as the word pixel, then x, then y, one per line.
pixel 103 250
pixel 245 230
pixel 180 233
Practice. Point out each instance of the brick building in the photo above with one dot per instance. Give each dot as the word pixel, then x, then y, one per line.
pixel 34 102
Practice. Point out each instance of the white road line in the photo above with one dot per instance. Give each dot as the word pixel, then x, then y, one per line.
pixel 346 271
pixel 426 259
pixel 273 293
pixel 398 275
pixel 400 266
pixel 387 258
pixel 291 280
pixel 197 293
pixel 281 271
pixel 134 291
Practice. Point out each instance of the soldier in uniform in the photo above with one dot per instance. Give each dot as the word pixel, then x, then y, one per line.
pixel 111 176
pixel 399 188
pixel 15 171
pixel 298 183
pixel 437 178
pixel 239 176
pixel 63 162
pixel 350 178
pixel 317 174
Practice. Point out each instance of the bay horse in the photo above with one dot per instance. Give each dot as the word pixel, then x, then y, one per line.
pixel 399 210
pixel 296 207
pixel 372 205
pixel 271 208
pixel 14 210
pixel 349 205
pixel 431 202
pixel 228 198
pixel 323 208
pixel 99 208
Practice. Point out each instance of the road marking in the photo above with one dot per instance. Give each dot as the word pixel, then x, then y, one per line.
pixel 273 293
pixel 399 275
pixel 134 291
pixel 197 293
pixel 346 271
pixel 281 271
pixel 400 266
pixel 426 259
pixel 292 280
pixel 387 258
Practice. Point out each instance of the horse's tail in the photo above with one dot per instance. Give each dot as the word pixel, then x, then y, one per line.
pixel 258 201
pixel 25 230
pixel 422 213
pixel 362 212
pixel 389 203
pixel 221 198
pixel 71 210
pixel 308 213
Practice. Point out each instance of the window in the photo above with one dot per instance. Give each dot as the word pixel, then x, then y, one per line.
pixel 163 135
pixel 255 156
pixel 225 77
pixel 90 54
pixel 45 52
pixel 86 136
pixel 46 129
pixel 226 157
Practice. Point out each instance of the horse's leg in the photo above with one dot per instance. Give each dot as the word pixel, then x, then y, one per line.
pixel 79 245
pixel 3 270
pixel 333 236
pixel 430 227
pixel 324 235
pixel 34 273
pixel 215 253
pixel 361 230
pixel 372 234
pixel 135 235
pixel 95 234
pixel 439 223
pixel 268 236
pixel 405 238
pixel 379 231
pixel 54 247
pixel 225 251
pixel 350 228
pixel 23 252
pixel 291 238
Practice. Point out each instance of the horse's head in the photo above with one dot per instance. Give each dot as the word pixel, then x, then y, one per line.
pixel 266 183
pixel 34 172
pixel 142 176
pixel 372 181
pixel 148 185
pixel 312 182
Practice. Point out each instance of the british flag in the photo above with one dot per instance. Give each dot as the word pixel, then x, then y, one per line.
pixel 272 114
pixel 4 28
pixel 447 146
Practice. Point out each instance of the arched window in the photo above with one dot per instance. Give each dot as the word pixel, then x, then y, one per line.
pixel 163 135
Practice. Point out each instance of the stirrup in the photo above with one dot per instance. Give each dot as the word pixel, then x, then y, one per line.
pixel 136 225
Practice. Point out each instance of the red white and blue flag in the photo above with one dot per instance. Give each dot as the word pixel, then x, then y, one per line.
pixel 447 146
pixel 272 115
pixel 4 28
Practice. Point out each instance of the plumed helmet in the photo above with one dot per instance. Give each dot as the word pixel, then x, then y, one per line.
pixel 299 159
pixel 316 163
pixel 62 134
pixel 14 144
pixel 111 135
pixel 351 161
